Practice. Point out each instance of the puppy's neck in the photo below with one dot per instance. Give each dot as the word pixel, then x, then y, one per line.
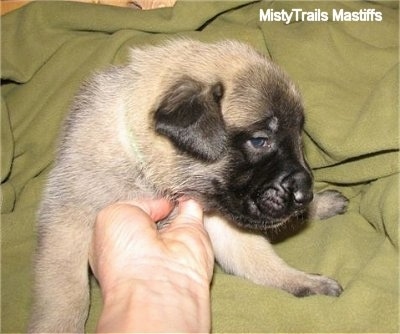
pixel 127 137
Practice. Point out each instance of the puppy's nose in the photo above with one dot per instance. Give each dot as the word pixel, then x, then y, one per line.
pixel 299 185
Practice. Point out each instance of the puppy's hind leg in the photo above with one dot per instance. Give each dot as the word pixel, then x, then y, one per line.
pixel 61 296
pixel 251 256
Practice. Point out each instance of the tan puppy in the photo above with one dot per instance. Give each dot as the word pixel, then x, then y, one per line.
pixel 216 122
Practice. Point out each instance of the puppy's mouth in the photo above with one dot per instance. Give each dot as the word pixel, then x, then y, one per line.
pixel 263 222
pixel 261 211
pixel 264 209
pixel 270 201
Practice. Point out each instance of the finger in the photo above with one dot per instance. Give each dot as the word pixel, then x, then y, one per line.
pixel 157 209
pixel 190 211
pixel 188 228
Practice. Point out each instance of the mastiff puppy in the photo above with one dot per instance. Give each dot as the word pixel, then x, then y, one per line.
pixel 216 122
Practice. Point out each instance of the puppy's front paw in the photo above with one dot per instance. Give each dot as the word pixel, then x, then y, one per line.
pixel 315 284
pixel 327 204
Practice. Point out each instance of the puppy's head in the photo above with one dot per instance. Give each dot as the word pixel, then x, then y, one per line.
pixel 235 123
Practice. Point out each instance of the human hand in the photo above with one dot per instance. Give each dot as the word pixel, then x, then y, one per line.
pixel 149 276
pixel 126 243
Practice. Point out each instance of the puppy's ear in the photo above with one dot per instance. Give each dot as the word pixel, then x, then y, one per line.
pixel 190 115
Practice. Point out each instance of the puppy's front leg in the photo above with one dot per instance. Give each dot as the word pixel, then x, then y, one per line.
pixel 250 255
pixel 61 284
pixel 326 204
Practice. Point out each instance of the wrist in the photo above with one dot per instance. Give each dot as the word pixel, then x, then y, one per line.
pixel 158 299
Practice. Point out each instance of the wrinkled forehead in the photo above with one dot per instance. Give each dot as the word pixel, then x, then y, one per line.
pixel 260 94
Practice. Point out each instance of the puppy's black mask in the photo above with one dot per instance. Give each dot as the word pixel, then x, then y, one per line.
pixel 265 192
pixel 266 179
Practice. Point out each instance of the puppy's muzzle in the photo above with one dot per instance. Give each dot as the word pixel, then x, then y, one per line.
pixel 289 193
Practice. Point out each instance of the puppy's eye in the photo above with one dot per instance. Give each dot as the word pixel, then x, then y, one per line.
pixel 258 142
pixel 218 92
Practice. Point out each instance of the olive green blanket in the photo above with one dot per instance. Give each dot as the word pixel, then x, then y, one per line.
pixel 348 74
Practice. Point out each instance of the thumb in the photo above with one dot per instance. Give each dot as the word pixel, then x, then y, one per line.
pixel 190 212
